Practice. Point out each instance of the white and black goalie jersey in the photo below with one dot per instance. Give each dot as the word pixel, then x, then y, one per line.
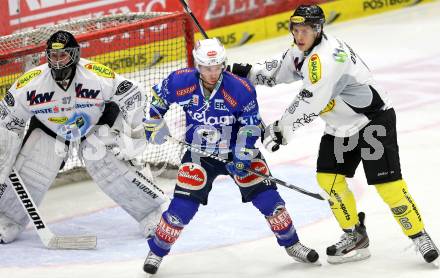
pixel 337 86
pixel 72 112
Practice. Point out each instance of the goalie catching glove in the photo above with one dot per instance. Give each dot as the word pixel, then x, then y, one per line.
pixel 273 137
pixel 156 131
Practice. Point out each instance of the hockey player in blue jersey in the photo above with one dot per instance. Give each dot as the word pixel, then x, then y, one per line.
pixel 222 118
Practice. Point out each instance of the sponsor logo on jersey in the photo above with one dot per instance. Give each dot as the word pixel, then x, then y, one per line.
pixel 124 87
pixel 195 100
pixel 35 99
pixel 211 120
pixel 27 77
pixel 42 111
pixel 9 99
pixel 186 91
pixel 314 68
pixel 219 104
pixel 229 99
pixel 250 106
pixel 258 165
pixel 329 106
pixel 84 105
pixel 100 70
pixel 340 56
pixel 191 176
pixel 58 120
pixel 85 93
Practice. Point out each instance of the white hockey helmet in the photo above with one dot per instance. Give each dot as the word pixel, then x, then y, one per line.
pixel 209 52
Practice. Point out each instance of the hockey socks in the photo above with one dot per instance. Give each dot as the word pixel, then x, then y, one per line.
pixel 342 203
pixel 402 205
pixel 179 213
pixel 271 205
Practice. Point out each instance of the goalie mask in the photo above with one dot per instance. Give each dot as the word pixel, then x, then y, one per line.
pixel 209 52
pixel 62 55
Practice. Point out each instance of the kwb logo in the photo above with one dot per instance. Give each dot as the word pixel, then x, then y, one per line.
pixel 85 93
pixel 211 53
pixel 35 99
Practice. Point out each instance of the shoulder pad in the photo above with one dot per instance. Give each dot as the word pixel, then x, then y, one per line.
pixel 100 70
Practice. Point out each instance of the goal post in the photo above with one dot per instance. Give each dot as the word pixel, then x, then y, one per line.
pixel 145 47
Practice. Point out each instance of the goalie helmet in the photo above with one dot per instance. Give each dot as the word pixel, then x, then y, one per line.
pixel 209 52
pixel 308 15
pixel 62 53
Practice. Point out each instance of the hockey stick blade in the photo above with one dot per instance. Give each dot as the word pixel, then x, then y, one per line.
pixel 49 239
pixel 73 242
pixel 278 181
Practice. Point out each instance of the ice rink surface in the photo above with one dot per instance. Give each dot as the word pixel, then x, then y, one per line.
pixel 231 239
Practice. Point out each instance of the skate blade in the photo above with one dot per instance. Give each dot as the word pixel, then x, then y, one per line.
pixel 436 263
pixel 317 263
pixel 353 256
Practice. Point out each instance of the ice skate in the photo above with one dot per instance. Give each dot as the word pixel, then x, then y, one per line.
pixel 303 254
pixel 152 263
pixel 353 245
pixel 426 247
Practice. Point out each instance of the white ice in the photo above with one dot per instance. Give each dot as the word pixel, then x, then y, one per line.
pixel 231 239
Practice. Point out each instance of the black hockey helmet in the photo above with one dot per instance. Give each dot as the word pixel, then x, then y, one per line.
pixel 62 53
pixel 308 15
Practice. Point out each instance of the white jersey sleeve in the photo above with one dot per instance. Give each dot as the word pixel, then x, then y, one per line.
pixel 320 77
pixel 13 115
pixel 277 70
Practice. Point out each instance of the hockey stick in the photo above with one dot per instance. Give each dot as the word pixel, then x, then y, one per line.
pixel 196 22
pixel 271 178
pixel 49 239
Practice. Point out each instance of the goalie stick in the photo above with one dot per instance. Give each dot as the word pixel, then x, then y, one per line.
pixel 49 239
pixel 271 178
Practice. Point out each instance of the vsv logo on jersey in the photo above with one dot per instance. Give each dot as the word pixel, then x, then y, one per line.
pixel 85 93
pixel 35 98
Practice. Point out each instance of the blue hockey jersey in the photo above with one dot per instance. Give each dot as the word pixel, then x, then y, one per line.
pixel 215 123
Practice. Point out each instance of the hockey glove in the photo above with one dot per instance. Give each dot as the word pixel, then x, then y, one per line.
pixel 241 70
pixel 273 138
pixel 240 163
pixel 156 131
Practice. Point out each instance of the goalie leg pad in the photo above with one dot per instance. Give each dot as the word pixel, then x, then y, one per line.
pixel 402 205
pixel 179 214
pixel 136 194
pixel 272 206
pixel 342 200
pixel 38 163
pixel 9 146
pixel 9 229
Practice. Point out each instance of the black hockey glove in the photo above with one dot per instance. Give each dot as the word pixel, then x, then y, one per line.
pixel 273 138
pixel 241 70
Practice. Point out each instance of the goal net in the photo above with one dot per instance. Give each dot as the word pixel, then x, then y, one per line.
pixel 145 47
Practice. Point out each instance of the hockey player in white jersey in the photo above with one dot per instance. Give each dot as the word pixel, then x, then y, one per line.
pixel 72 100
pixel 339 88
